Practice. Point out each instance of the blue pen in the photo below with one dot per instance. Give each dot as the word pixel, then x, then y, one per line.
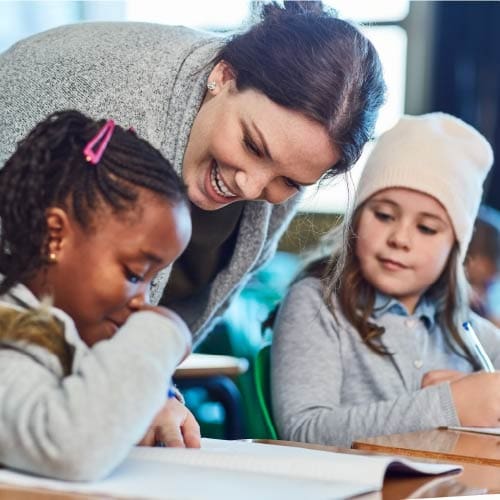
pixel 477 348
pixel 170 394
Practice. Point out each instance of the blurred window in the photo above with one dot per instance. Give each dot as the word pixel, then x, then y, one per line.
pixel 381 23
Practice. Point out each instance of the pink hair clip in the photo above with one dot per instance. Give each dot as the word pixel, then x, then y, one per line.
pixel 103 135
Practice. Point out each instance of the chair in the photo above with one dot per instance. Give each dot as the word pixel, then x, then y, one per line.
pixel 262 379
pixel 240 333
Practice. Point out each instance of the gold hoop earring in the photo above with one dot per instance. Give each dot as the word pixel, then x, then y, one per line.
pixel 211 86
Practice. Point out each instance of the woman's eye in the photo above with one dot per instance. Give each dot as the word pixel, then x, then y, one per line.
pixel 250 145
pixel 426 229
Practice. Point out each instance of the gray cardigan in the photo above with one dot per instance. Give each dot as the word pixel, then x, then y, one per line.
pixel 81 426
pixel 148 76
pixel 328 387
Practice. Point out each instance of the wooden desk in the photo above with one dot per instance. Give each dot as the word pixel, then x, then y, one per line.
pixel 210 365
pixel 440 444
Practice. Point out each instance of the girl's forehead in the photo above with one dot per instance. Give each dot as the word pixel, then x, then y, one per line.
pixel 406 197
pixel 411 200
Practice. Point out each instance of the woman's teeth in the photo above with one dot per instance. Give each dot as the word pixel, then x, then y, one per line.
pixel 218 184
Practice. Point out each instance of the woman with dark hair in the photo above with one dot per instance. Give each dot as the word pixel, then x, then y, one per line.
pixel 247 122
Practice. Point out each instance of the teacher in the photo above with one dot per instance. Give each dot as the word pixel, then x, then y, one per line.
pixel 247 121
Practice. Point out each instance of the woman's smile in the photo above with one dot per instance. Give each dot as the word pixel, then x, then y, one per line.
pixel 218 182
pixel 215 187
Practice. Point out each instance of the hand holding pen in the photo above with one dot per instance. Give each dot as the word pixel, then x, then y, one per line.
pixel 476 396
pixel 476 348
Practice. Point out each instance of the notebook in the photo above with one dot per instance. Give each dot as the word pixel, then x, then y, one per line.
pixel 238 469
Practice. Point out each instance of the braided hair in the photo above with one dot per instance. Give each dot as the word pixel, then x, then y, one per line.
pixel 49 169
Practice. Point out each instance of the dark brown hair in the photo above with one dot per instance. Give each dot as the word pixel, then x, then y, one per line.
pixel 304 58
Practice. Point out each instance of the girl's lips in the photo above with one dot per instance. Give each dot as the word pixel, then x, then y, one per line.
pixel 112 327
pixel 392 264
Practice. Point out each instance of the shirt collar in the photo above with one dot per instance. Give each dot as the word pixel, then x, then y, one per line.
pixel 425 310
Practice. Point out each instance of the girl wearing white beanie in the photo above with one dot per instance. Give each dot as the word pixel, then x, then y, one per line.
pixel 372 343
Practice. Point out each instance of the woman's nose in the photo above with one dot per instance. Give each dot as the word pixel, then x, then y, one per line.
pixel 260 185
pixel 251 185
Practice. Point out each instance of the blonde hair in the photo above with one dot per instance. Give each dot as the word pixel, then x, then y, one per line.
pixel 342 279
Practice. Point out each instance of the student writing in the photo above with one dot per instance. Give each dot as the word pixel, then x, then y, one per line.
pixel 90 213
pixel 375 346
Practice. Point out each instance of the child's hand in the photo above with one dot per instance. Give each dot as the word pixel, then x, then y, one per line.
pixel 174 426
pixel 179 323
pixel 435 377
pixel 477 399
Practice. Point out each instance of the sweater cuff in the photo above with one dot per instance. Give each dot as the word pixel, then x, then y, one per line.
pixel 155 330
pixel 448 406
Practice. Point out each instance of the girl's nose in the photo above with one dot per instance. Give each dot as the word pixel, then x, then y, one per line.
pixel 400 237
pixel 140 298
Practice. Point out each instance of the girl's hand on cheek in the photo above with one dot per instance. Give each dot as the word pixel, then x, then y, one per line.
pixel 477 399
pixel 173 426
pixel 435 377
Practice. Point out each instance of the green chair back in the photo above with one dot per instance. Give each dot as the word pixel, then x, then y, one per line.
pixel 262 377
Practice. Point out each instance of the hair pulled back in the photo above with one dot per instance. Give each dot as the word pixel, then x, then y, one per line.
pixel 304 58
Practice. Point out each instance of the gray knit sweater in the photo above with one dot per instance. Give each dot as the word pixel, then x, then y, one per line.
pixel 148 76
pixel 81 426
pixel 330 388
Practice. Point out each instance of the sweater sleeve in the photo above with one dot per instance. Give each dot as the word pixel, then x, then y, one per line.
pixel 82 426
pixel 309 368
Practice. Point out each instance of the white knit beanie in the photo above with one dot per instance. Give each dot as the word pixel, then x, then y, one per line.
pixel 437 154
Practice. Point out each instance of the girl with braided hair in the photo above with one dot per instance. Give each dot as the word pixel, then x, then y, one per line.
pixel 89 214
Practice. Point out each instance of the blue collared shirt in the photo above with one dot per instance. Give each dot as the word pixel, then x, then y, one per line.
pixel 425 310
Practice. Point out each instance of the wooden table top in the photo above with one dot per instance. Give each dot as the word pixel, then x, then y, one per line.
pixel 439 444
pixel 210 365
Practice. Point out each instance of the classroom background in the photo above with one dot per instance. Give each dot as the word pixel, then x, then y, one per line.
pixel 436 55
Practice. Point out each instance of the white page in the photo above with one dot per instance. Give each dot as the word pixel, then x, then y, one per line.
pixel 191 474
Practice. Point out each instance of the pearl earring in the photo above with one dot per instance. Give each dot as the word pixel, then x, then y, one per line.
pixel 211 86
pixel 52 257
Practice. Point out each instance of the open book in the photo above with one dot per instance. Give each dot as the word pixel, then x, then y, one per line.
pixel 237 469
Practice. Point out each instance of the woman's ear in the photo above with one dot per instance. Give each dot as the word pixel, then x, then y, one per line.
pixel 222 74
pixel 58 231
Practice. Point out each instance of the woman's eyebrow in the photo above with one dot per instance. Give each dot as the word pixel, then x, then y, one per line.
pixel 262 139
